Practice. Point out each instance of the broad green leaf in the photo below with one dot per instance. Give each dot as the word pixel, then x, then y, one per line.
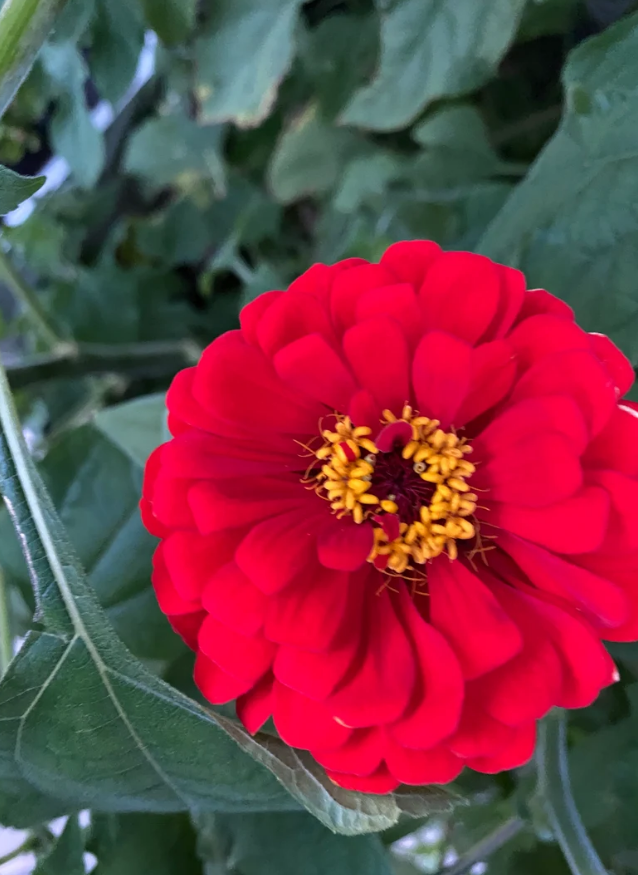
pixel 432 49
pixel 15 188
pixel 571 226
pixel 242 57
pixel 172 20
pixel 173 147
pixel 367 176
pixel 66 856
pixel 73 21
pixel 143 844
pixel 137 427
pixel 287 844
pixel 82 719
pixel 117 39
pixel 309 157
pixel 72 132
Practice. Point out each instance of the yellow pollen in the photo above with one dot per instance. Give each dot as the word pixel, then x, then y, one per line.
pixel 345 475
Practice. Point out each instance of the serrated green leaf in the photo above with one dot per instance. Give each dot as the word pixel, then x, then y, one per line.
pixel 72 132
pixel 432 49
pixel 309 157
pixel 15 188
pixel 167 148
pixel 172 20
pixel 117 39
pixel 571 225
pixel 228 88
pixel 66 856
pixel 287 844
pixel 84 721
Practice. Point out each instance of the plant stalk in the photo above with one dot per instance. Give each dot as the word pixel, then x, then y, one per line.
pixel 26 298
pixel 6 640
pixel 24 26
pixel 556 794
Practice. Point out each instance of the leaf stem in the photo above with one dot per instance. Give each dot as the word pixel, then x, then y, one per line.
pixel 6 640
pixel 486 847
pixel 24 26
pixel 555 791
pixel 143 359
pixel 25 296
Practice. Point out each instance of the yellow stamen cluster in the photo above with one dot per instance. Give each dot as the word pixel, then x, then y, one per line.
pixel 349 456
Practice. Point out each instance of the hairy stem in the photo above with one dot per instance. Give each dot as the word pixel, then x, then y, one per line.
pixel 24 26
pixel 556 794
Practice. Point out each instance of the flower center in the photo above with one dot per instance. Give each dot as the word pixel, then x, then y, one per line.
pixel 409 481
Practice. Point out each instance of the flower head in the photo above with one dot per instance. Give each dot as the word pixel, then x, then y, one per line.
pixel 398 514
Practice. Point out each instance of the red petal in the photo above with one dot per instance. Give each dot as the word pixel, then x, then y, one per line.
pixel 361 754
pixel 345 546
pixel 363 410
pixel 232 503
pixel 512 295
pixel 538 471
pixel 312 367
pixel 438 696
pixel 170 600
pixel 551 413
pixel 310 613
pixel 317 280
pixel 435 766
pixel 460 294
pixel 576 373
pixel 518 752
pixel 237 384
pixel 492 372
pixel 192 559
pixel 623 523
pixel 348 287
pixel 171 501
pixel 540 301
pixel 382 684
pixel 467 613
pixel 398 303
pixel 545 335
pixel 303 723
pixel 232 599
pixel 183 406
pixel 479 734
pixel 410 260
pixel 603 602
pixel 441 375
pixel 214 684
pixel 238 655
pixel 278 549
pixel 380 782
pixel 615 446
pixel 576 525
pixel 254 708
pixel 618 366
pixel 198 455
pixel 377 352
pixel 187 627
pixel 290 318
pixel 252 314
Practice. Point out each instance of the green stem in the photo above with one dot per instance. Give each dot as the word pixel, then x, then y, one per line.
pixel 556 794
pixel 25 296
pixel 6 640
pixel 29 844
pixel 24 26
pixel 486 847
pixel 143 359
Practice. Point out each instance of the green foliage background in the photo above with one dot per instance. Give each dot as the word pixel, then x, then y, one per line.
pixel 272 134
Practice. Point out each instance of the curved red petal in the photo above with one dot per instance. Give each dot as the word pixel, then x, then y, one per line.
pixel 441 376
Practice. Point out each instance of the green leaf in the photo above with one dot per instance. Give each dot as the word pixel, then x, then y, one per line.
pixel 432 49
pixel 143 844
pixel 571 225
pixel 73 21
pixel 172 147
pixel 117 40
pixel 172 20
pixel 72 132
pixel 82 719
pixel 15 188
pixel 66 857
pixel 229 89
pixel 309 157
pixel 287 844
pixel 137 427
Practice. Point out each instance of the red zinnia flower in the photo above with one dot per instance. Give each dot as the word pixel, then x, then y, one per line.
pixel 399 513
